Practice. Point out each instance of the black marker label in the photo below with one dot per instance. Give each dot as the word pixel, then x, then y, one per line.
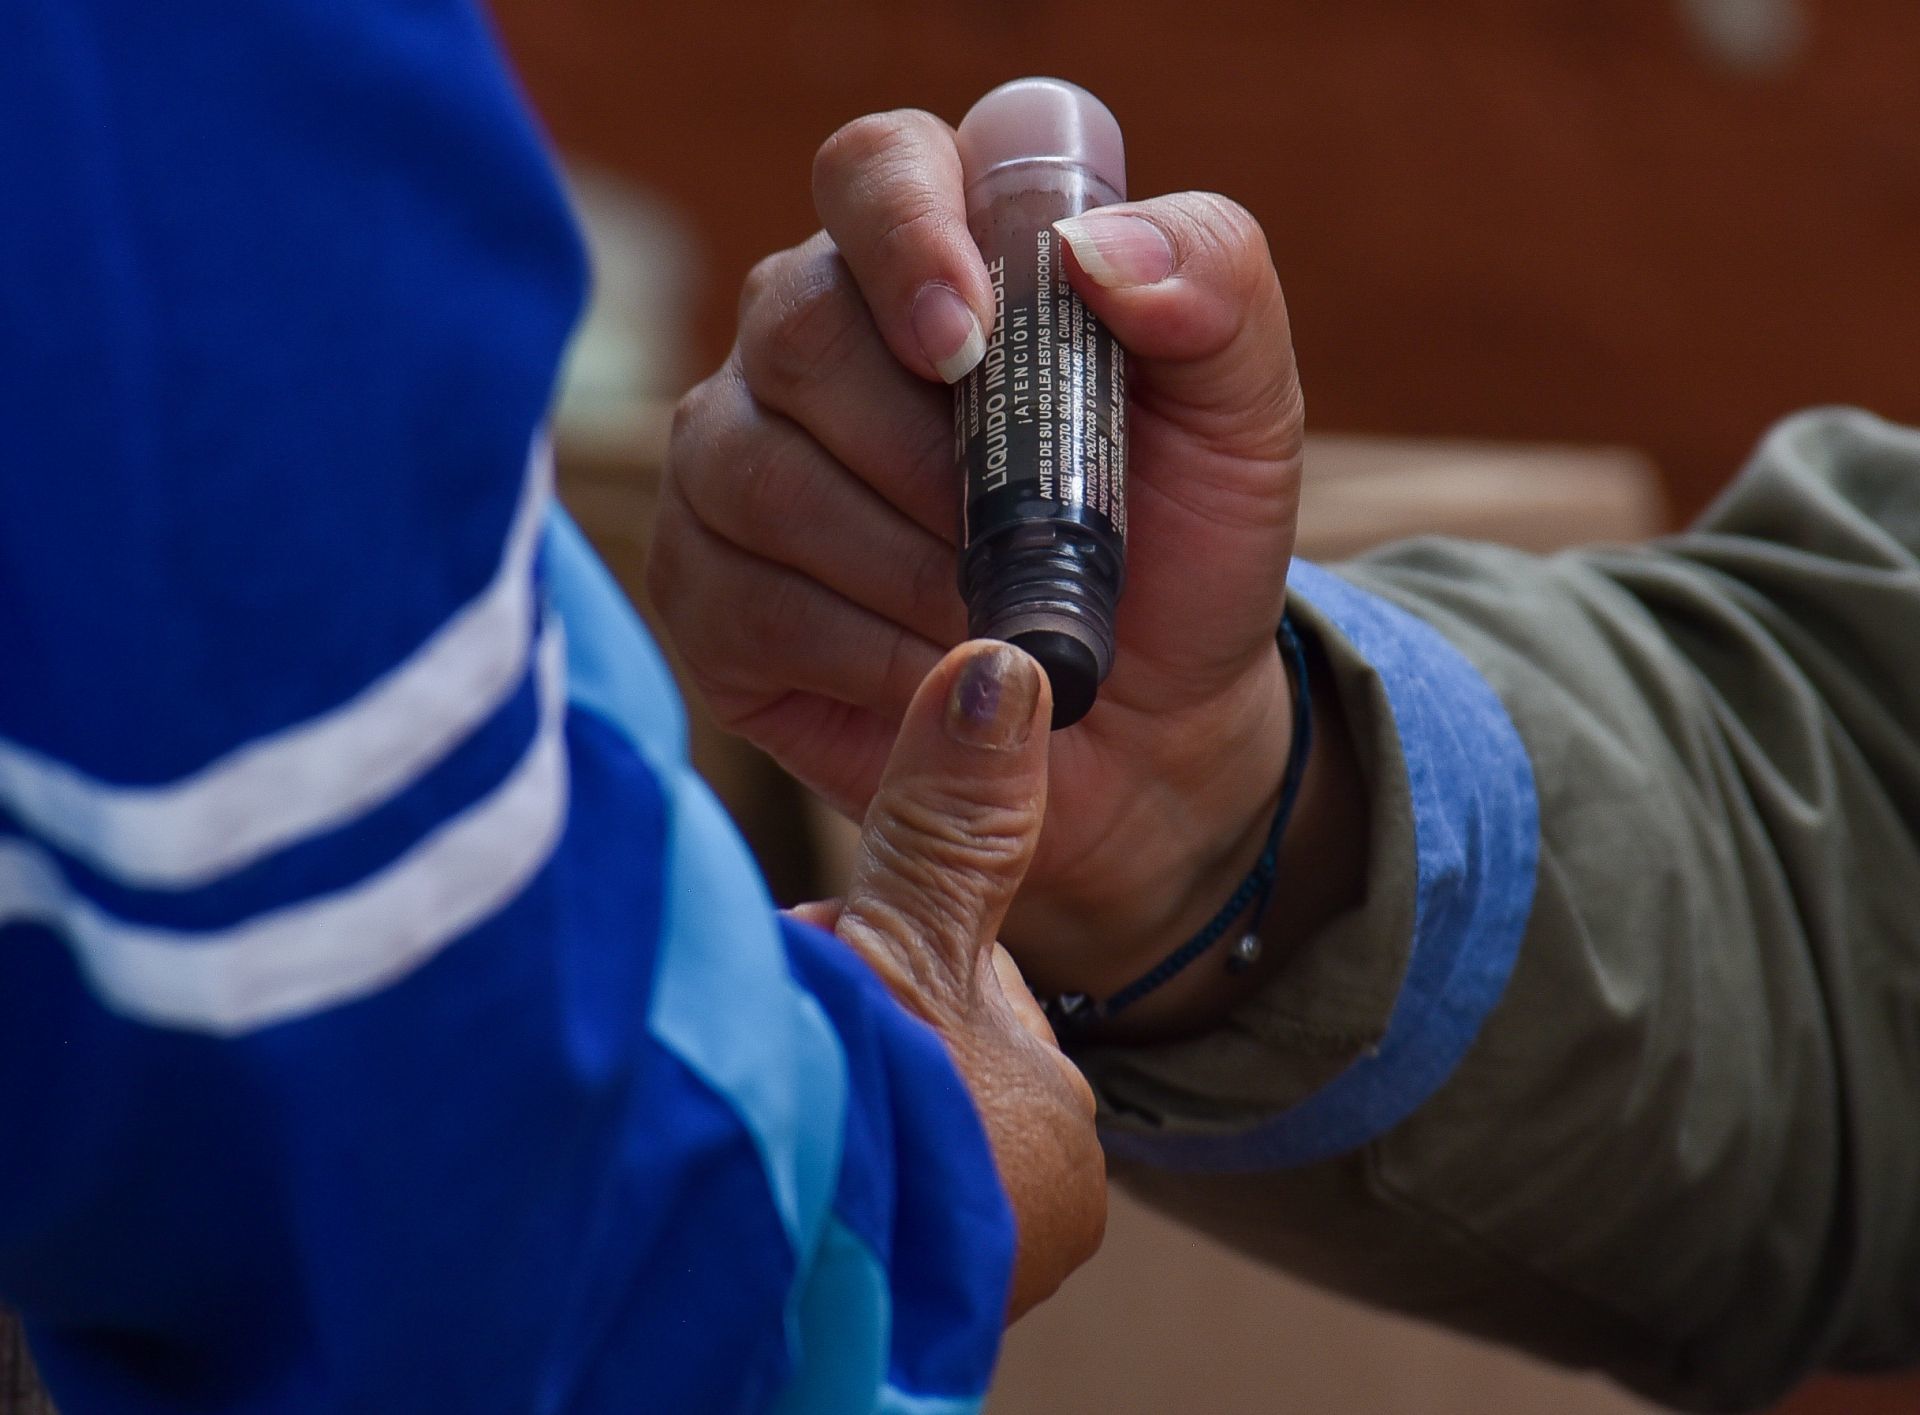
pixel 1040 425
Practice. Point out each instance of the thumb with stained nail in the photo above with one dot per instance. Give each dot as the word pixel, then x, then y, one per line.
pixel 945 845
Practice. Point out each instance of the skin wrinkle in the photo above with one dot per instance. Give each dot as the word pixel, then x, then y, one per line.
pixel 931 464
pixel 1212 430
pixel 700 649
pixel 803 333
pixel 915 840
pixel 944 846
pixel 903 164
pixel 735 504
pixel 1167 806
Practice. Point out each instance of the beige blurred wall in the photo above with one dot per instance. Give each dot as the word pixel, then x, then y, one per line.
pixel 1166 1322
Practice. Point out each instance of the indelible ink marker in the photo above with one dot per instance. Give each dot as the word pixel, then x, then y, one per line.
pixel 1040 425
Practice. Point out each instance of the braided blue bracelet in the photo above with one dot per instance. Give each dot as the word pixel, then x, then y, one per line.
pixel 1078 1009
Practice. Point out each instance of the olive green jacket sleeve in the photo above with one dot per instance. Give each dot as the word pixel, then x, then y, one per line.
pixel 1683 1145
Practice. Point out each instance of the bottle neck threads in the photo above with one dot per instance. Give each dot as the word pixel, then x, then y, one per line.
pixel 1051 590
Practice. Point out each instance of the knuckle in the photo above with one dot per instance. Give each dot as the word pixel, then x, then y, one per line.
pixel 732 709
pixel 769 491
pixel 932 598
pixel 725 680
pixel 899 672
pixel 1218 234
pixel 957 846
pixel 673 601
pixel 876 175
pixel 692 436
pixel 703 450
pixel 925 903
pixel 682 433
pixel 918 222
pixel 896 944
pixel 1228 224
pixel 762 280
pixel 858 145
pixel 1236 302
pixel 772 620
pixel 800 329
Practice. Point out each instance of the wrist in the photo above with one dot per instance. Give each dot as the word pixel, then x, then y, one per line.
pixel 1198 839
pixel 1320 873
pixel 1310 856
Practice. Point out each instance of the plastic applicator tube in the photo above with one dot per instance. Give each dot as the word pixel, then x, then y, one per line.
pixel 1040 426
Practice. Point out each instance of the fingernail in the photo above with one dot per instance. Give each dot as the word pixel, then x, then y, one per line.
pixel 1117 250
pixel 993 699
pixel 949 335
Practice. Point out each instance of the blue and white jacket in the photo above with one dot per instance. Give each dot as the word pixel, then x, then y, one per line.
pixel 389 1019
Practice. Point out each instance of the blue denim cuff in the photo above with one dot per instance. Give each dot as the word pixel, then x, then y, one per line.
pixel 1476 833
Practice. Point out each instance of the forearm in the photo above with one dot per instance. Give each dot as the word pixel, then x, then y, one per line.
pixel 1676 1148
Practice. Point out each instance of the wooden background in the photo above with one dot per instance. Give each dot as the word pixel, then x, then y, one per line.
pixel 1555 219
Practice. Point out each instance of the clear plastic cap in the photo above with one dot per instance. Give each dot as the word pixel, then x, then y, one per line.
pixel 1043 120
